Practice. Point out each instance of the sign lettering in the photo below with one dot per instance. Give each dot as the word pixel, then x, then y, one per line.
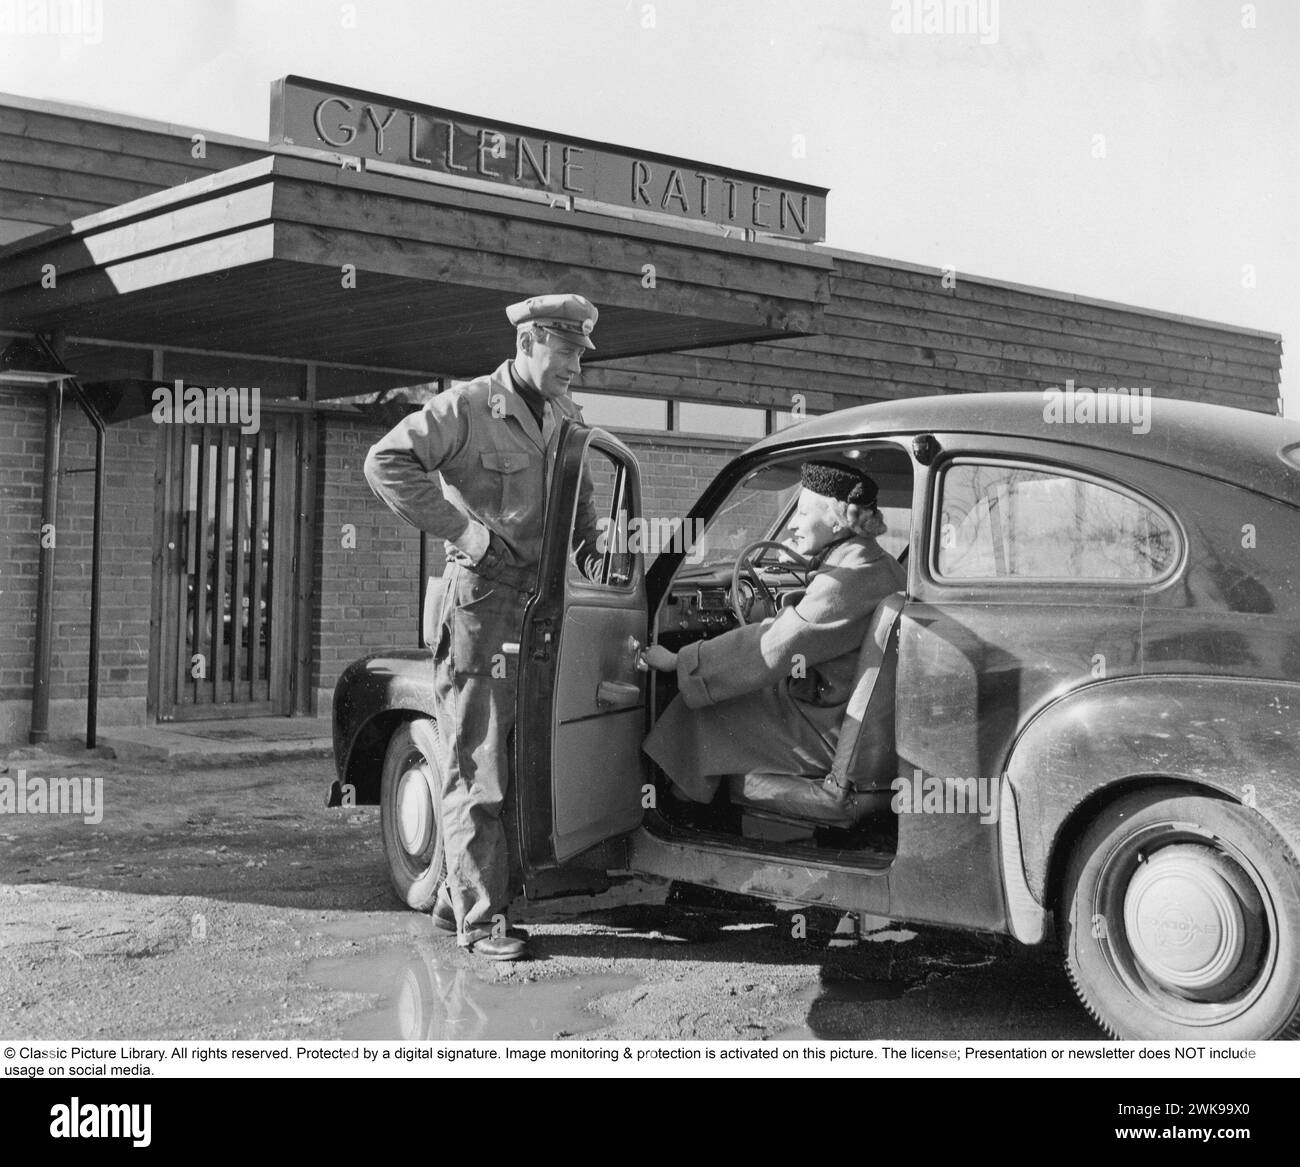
pixel 319 116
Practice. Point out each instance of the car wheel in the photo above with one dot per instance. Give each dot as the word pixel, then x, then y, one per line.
pixel 408 813
pixel 1182 921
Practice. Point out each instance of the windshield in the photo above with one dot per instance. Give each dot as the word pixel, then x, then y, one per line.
pixel 752 511
pixel 761 506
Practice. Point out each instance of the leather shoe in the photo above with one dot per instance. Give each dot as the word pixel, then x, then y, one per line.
pixel 697 816
pixel 500 948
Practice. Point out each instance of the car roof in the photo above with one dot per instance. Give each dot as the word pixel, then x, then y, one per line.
pixel 1236 445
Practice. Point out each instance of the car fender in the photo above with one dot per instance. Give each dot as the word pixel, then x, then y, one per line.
pixel 371 697
pixel 1237 737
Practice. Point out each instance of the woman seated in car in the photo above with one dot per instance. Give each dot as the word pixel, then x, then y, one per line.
pixel 770 696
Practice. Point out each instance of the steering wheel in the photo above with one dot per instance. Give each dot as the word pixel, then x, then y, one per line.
pixel 744 609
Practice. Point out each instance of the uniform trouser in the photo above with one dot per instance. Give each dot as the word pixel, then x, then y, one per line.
pixel 474 682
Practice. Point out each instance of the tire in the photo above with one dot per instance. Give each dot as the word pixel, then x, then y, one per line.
pixel 1181 921
pixel 408 813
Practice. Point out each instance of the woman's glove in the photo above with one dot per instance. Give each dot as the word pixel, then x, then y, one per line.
pixel 658 657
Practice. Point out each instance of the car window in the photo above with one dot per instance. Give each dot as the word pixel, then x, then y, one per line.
pixel 1012 522
pixel 760 508
pixel 748 515
pixel 608 534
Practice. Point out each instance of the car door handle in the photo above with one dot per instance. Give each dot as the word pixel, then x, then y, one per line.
pixel 614 694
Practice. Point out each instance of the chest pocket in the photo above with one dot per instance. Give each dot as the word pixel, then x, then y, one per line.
pixel 512 487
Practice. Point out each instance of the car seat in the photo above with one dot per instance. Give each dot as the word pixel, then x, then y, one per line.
pixel 859 783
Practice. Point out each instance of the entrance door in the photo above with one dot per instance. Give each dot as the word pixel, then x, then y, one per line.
pixel 229 501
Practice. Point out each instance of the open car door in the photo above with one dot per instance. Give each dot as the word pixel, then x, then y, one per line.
pixel 581 713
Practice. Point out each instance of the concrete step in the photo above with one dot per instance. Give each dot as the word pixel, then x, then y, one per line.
pixel 221 743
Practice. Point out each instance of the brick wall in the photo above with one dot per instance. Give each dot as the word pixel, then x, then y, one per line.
pixel 128 538
pixel 367 595
pixel 22 424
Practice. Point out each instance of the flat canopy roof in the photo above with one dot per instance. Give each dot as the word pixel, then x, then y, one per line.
pixel 306 260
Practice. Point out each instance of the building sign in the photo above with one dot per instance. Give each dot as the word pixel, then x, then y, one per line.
pixel 367 125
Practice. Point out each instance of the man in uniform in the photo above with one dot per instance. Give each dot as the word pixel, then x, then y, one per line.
pixel 492 442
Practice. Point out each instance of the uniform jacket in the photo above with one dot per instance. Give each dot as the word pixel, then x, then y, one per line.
pixel 494 465
pixel 771 696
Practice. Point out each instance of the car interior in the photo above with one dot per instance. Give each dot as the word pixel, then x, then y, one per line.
pixel 711 593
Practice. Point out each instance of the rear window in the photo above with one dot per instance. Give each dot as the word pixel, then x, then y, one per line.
pixel 1001 521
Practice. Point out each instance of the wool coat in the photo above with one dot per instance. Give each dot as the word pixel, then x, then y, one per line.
pixel 771 696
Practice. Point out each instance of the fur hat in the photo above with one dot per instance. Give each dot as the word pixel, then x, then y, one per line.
pixel 837 481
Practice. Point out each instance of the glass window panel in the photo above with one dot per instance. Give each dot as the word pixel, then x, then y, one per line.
pixel 752 511
pixel 408 395
pixel 732 421
pixel 784 419
pixel 898 533
pixel 619 411
pixel 1010 522
pixel 602 546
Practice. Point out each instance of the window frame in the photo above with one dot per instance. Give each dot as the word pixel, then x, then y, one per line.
pixel 893 442
pixel 626 485
pixel 1001 582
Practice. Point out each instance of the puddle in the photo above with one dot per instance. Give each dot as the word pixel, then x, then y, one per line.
pixel 427 998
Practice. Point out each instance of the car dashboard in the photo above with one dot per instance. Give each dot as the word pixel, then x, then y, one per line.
pixel 696 610
pixel 699 607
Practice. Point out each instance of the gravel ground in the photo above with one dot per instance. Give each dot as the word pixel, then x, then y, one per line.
pixel 230 903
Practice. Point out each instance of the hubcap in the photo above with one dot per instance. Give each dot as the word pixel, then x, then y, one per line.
pixel 414 810
pixel 1188 913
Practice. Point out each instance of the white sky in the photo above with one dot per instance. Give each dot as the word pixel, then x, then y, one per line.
pixel 938 148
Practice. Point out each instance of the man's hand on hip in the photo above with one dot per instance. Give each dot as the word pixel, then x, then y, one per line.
pixel 470 545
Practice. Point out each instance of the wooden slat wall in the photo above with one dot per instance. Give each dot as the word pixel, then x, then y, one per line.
pixel 893 332
pixel 57 167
